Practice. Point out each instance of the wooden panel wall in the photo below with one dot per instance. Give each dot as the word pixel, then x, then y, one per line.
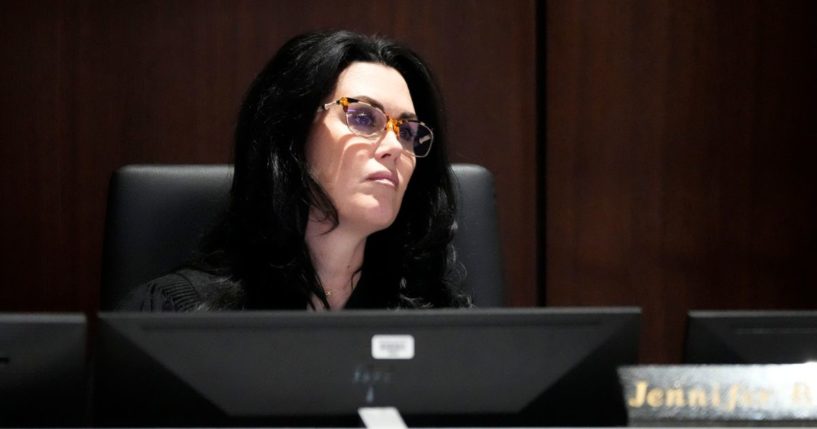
pixel 681 142
pixel 89 86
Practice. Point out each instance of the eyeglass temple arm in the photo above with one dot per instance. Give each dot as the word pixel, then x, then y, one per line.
pixel 342 101
pixel 326 106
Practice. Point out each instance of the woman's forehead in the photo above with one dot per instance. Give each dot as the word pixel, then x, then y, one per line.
pixel 376 82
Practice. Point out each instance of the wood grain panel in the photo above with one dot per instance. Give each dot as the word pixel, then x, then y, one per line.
pixel 37 232
pixel 679 143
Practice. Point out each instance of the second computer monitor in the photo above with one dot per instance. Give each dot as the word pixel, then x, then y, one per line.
pixel 751 337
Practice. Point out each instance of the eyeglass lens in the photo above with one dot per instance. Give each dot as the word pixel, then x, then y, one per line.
pixel 368 121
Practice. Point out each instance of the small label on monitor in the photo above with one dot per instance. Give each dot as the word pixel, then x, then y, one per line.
pixel 393 347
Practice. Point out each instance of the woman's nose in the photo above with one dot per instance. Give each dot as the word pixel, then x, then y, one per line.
pixel 389 144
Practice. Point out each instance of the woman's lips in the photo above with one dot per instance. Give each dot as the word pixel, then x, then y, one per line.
pixel 384 177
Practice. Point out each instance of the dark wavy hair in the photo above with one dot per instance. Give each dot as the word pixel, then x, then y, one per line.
pixel 260 241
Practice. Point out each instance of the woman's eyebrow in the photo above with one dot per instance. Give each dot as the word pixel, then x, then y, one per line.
pixel 375 103
pixel 407 115
pixel 369 100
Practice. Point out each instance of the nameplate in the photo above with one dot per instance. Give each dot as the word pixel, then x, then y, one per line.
pixel 686 395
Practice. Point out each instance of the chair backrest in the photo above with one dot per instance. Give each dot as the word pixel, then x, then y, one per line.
pixel 157 215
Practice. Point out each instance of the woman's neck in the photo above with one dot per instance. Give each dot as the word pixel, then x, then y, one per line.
pixel 337 255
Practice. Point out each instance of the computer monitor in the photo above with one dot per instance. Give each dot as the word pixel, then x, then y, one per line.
pixel 42 370
pixel 506 367
pixel 751 337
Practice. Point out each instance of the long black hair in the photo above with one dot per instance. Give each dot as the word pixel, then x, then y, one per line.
pixel 260 241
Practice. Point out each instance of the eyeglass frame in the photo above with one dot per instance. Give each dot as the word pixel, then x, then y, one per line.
pixel 391 123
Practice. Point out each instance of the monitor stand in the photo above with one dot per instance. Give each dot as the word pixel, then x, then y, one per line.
pixel 381 418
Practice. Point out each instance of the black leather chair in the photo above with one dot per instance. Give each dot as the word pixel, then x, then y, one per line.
pixel 157 214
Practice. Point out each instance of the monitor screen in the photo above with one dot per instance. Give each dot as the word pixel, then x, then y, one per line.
pixel 42 370
pixel 751 337
pixel 506 367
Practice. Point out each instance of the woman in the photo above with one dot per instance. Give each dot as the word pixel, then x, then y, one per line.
pixel 341 196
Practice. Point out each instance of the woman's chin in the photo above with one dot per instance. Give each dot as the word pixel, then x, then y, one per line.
pixel 378 223
pixel 372 219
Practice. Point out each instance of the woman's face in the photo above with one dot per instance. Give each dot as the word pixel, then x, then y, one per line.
pixel 364 177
